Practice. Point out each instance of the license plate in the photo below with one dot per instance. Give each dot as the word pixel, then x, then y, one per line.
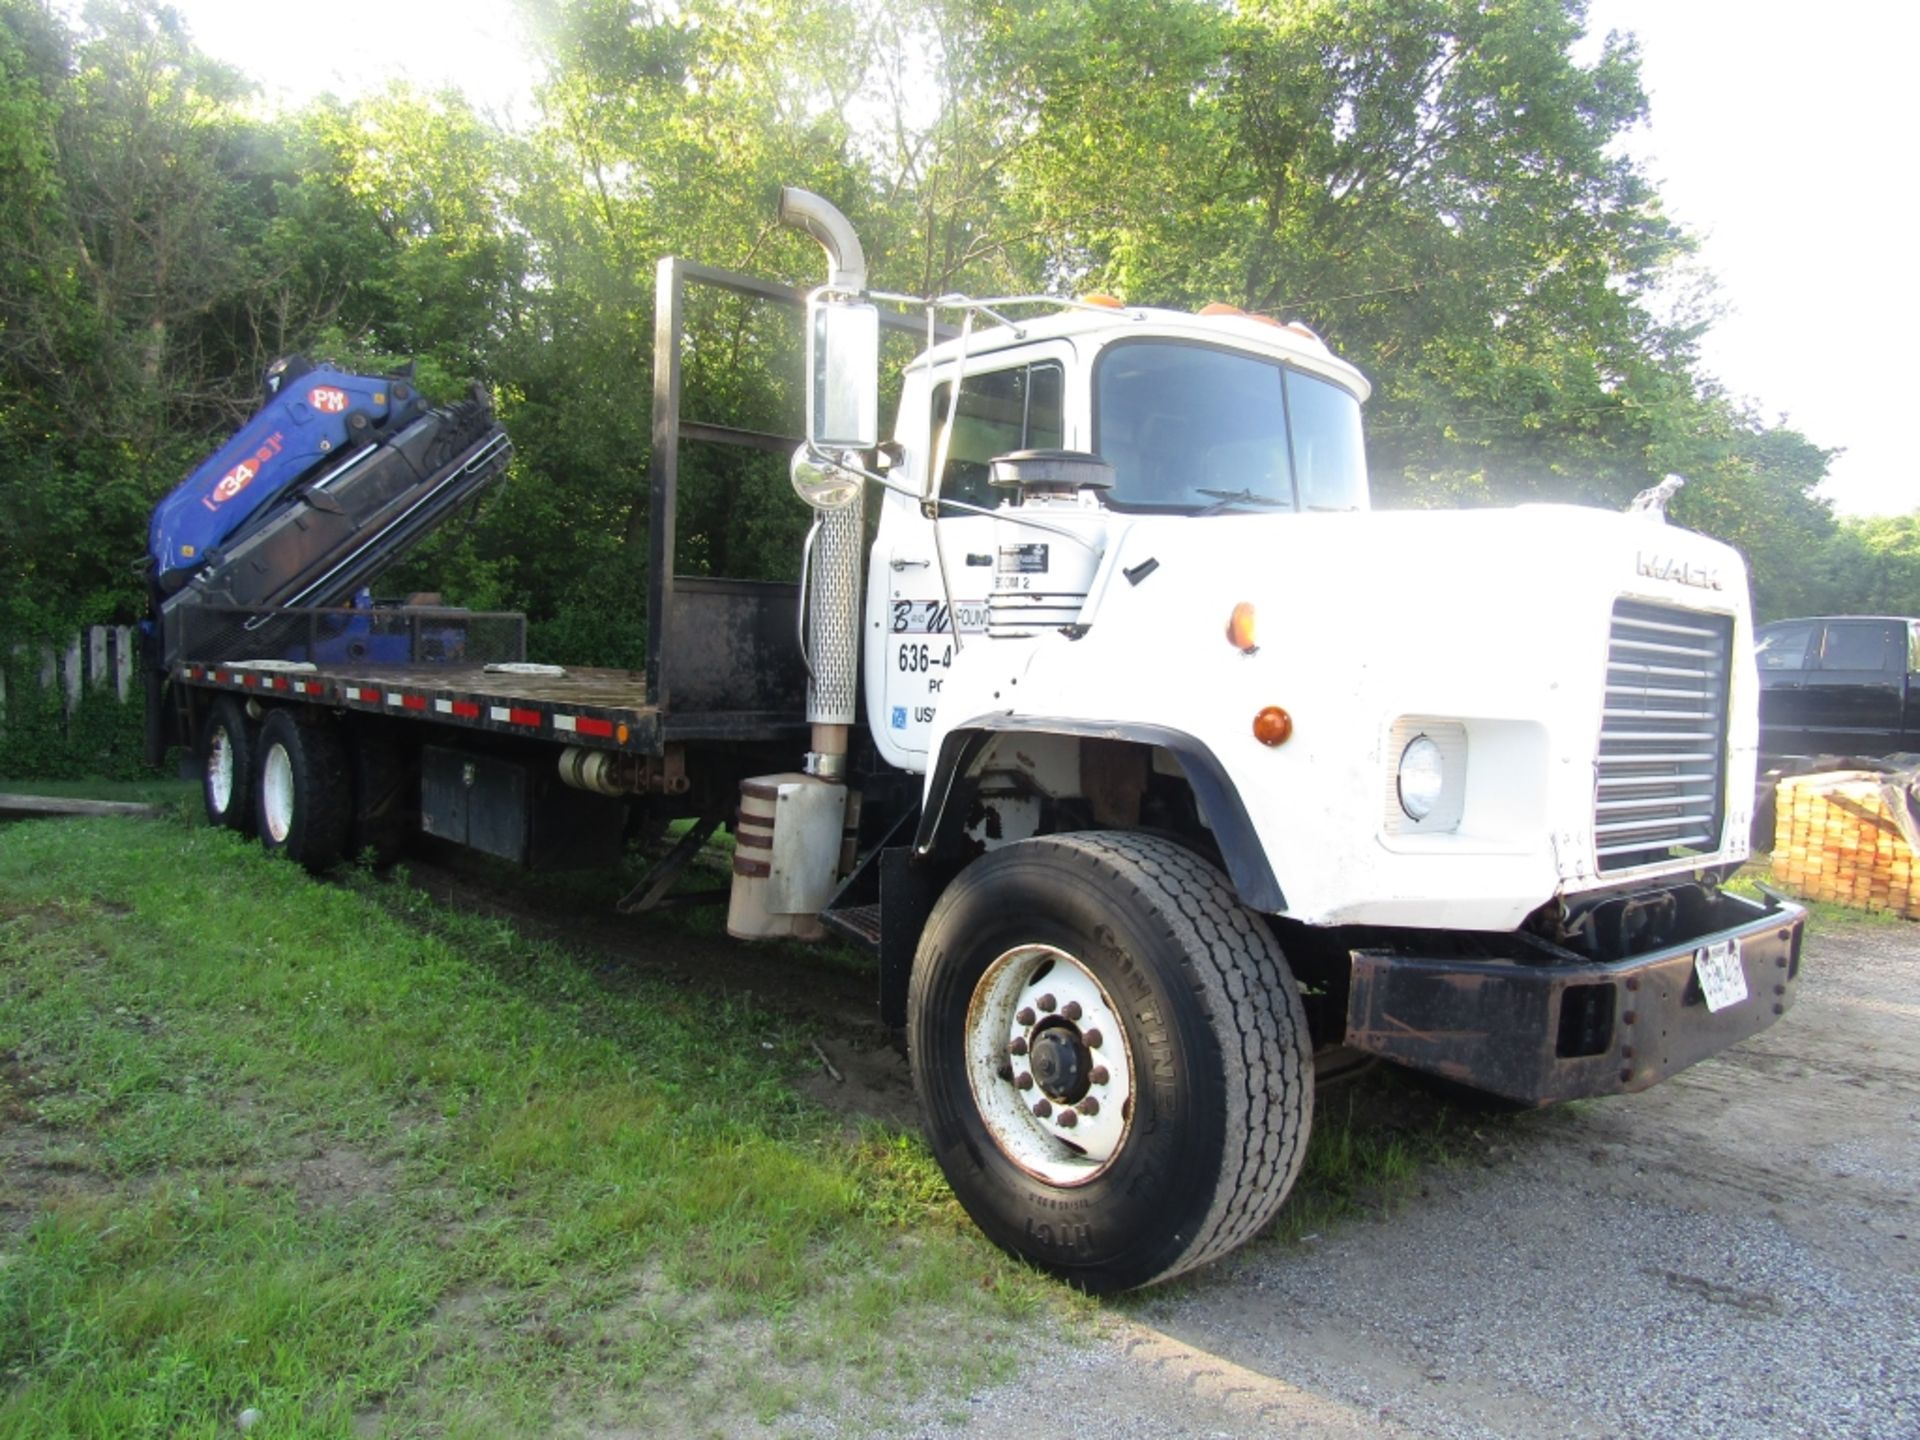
pixel 1722 979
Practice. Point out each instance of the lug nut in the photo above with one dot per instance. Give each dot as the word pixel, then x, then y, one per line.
pixel 1099 1075
pixel 1089 1106
pixel 1046 1003
pixel 1042 1108
pixel 1071 1010
pixel 1026 1016
pixel 1023 1080
pixel 1093 1039
pixel 1017 1045
pixel 1067 1119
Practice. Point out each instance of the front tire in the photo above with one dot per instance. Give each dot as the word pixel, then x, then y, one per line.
pixel 1118 969
pixel 303 790
pixel 226 766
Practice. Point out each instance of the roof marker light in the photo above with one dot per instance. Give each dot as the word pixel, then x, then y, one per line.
pixel 1240 629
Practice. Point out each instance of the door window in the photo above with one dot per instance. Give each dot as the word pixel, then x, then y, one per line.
pixel 1000 412
pixel 1857 645
pixel 1784 647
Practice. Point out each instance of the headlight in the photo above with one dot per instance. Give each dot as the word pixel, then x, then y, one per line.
pixel 1423 775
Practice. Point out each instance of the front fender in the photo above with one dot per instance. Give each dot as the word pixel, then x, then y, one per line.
pixel 1218 799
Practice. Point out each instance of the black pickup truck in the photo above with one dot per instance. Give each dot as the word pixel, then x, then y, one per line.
pixel 1839 685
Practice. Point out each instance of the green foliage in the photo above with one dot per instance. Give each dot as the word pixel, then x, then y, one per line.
pixel 39 740
pixel 1435 185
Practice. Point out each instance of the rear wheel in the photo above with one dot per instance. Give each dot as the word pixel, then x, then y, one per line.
pixel 226 766
pixel 1112 1056
pixel 303 792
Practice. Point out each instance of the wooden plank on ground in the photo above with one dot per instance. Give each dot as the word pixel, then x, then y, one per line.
pixel 18 807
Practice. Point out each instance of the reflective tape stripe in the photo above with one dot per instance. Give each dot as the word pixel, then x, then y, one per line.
pixel 523 717
pixel 466 709
pixel 443 707
pixel 414 702
pixel 563 722
pixel 588 725
pixel 499 713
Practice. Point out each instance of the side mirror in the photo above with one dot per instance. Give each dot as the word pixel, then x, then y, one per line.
pixel 821 483
pixel 843 376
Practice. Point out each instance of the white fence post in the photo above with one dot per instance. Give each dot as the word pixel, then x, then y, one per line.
pixel 70 672
pixel 122 661
pixel 97 657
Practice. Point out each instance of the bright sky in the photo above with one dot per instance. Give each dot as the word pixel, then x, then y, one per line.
pixel 1778 135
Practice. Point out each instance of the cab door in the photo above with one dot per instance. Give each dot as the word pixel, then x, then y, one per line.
pixel 1003 408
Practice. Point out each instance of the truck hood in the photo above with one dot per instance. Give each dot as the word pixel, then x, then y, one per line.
pixel 1500 620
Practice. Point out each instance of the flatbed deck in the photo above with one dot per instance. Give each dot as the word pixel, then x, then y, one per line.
pixel 597 708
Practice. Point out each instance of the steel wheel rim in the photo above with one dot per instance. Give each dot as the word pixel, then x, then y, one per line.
pixel 220 770
pixel 1036 1014
pixel 276 793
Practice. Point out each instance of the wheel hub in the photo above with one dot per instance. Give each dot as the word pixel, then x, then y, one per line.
pixel 1049 1064
pixel 276 788
pixel 220 770
pixel 1061 1063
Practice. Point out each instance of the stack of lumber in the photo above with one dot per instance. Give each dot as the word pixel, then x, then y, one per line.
pixel 1836 839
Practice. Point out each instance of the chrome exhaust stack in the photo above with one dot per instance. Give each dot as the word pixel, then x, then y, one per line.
pixel 836 548
pixel 793 828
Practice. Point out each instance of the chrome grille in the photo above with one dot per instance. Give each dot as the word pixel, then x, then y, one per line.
pixel 1663 735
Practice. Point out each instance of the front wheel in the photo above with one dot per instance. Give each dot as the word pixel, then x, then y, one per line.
pixel 1112 1057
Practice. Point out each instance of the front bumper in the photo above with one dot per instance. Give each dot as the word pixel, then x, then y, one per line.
pixel 1537 1031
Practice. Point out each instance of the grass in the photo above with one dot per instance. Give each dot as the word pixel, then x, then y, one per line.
pixel 371 1167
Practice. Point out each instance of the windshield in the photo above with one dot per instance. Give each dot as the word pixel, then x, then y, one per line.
pixel 1191 427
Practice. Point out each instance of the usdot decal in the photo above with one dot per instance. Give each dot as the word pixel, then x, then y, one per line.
pixel 327 400
pixel 241 475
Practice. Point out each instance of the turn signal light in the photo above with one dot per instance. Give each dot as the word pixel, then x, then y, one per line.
pixel 1272 726
pixel 1240 629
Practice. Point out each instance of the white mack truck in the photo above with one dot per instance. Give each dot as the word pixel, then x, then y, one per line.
pixel 1145 759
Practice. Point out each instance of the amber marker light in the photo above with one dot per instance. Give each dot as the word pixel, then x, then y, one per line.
pixel 621 733
pixel 1240 629
pixel 1272 726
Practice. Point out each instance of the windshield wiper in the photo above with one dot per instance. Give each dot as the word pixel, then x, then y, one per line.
pixel 1223 498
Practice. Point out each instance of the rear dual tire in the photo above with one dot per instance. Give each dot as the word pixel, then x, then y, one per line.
pixel 303 794
pixel 1119 969
pixel 227 766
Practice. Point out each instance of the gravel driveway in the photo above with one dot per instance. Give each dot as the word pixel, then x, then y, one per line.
pixel 1735 1253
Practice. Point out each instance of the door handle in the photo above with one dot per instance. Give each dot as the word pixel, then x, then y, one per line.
pixel 911 564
